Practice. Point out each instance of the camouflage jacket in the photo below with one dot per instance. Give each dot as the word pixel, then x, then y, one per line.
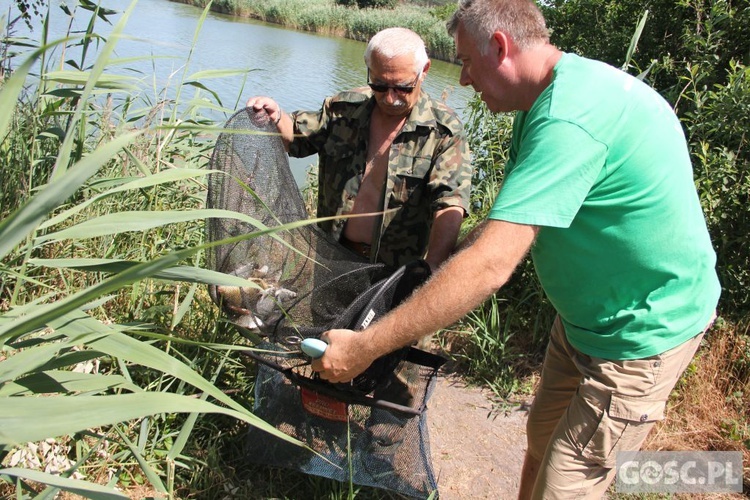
pixel 429 168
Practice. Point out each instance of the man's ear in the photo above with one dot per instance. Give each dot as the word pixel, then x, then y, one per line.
pixel 499 45
pixel 426 67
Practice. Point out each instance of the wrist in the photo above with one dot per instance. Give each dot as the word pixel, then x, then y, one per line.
pixel 373 344
pixel 278 118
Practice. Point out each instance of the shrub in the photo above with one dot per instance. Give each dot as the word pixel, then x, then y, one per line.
pixel 444 12
pixel 698 53
pixel 717 120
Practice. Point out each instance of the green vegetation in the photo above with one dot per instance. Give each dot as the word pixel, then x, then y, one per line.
pixel 103 310
pixel 697 55
pixel 102 300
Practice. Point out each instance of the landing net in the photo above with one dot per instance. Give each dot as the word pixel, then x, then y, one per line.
pixel 372 431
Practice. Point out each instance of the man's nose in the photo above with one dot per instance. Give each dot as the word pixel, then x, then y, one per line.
pixel 391 95
pixel 464 78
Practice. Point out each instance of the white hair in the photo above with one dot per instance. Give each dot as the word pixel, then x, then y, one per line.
pixel 394 42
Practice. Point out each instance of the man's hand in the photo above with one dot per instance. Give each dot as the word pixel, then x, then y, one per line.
pixel 347 355
pixel 262 103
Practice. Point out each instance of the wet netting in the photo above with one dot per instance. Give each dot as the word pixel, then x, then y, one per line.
pixel 373 430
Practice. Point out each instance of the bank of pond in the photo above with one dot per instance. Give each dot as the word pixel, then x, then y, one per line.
pixel 326 17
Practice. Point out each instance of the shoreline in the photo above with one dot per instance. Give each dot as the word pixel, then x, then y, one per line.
pixel 438 51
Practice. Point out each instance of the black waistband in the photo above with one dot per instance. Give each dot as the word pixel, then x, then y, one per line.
pixel 357 247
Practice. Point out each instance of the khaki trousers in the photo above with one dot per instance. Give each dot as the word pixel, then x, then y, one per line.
pixel 587 409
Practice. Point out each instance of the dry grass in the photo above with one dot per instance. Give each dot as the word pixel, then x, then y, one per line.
pixel 709 409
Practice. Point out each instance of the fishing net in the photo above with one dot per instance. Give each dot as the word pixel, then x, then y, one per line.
pixel 373 430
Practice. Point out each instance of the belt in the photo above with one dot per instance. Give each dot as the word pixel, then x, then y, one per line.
pixel 357 247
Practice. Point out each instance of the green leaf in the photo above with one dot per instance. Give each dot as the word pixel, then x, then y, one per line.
pixel 196 343
pixel 16 227
pixel 64 93
pixel 163 177
pixel 24 419
pixel 634 40
pixel 178 273
pixel 40 357
pixel 136 220
pixel 43 314
pixel 185 304
pixel 199 26
pixel 83 488
pixel 13 86
pixel 57 381
pixel 126 348
pixel 27 361
pixel 151 475
pixel 103 81
pixel 39 316
pixel 63 156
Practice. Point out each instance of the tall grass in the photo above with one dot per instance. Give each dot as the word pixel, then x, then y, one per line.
pixel 101 242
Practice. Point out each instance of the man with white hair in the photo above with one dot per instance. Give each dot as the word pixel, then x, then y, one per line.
pixel 387 149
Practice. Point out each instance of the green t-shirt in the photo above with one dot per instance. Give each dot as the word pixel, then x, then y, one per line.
pixel 601 164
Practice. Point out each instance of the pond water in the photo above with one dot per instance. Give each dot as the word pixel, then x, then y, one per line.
pixel 298 69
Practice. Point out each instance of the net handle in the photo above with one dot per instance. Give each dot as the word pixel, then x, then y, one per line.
pixel 414 355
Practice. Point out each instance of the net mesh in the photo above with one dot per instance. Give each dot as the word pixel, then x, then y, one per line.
pixel 372 430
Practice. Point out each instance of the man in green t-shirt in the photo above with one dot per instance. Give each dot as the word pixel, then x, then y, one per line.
pixel 599 188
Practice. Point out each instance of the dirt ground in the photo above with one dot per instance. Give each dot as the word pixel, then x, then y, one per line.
pixel 477 449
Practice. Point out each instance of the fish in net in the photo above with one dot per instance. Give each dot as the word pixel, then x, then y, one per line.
pixel 301 283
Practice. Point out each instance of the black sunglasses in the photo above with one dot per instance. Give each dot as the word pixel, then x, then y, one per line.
pixel 401 89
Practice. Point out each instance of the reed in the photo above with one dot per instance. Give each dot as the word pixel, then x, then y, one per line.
pixel 103 309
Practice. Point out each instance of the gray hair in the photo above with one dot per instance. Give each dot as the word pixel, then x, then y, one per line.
pixel 520 19
pixel 394 42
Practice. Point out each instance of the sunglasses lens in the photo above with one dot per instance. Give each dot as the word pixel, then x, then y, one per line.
pixel 384 88
pixel 400 89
